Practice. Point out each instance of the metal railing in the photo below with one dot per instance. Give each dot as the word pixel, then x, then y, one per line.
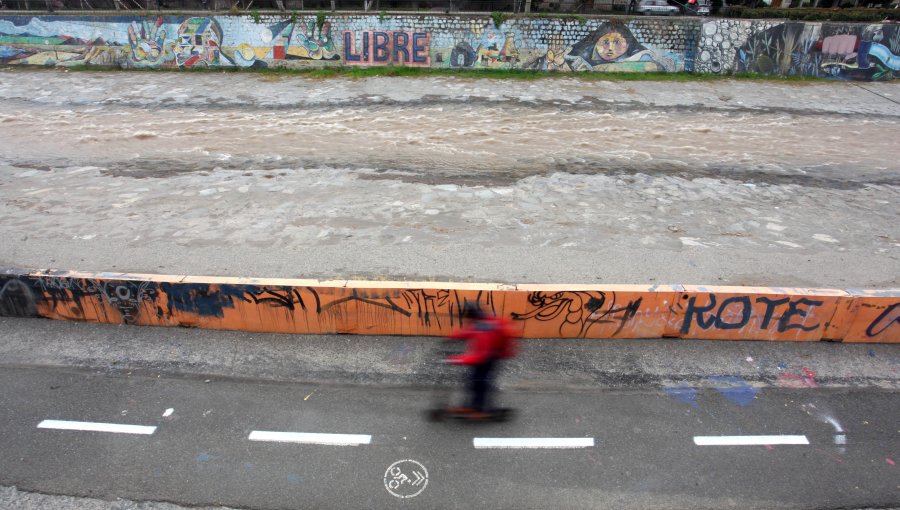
pixel 574 7
pixel 246 6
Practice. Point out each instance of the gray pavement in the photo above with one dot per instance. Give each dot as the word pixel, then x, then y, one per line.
pixel 644 453
pixel 544 364
pixel 642 401
pixel 556 180
pixel 10 498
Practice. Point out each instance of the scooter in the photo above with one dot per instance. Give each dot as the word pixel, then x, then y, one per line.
pixel 441 410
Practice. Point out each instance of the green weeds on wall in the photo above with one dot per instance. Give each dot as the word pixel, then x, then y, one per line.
pixel 498 18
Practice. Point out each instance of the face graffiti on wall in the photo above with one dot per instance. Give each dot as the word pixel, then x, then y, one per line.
pixel 610 46
pixel 836 50
pixel 613 47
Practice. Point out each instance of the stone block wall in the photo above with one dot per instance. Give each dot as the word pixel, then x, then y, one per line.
pixel 615 44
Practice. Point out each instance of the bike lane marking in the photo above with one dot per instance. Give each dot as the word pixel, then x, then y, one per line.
pixel 532 442
pixel 96 427
pixel 749 440
pixel 310 438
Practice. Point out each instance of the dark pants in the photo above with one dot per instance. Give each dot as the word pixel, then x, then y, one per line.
pixel 480 384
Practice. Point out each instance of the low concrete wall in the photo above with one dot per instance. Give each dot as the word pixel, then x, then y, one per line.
pixel 616 44
pixel 428 308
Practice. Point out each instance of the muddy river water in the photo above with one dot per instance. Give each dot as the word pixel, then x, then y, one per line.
pixel 546 180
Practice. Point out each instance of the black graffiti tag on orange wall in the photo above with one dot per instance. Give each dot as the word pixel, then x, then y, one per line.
pixel 714 314
pixel 889 317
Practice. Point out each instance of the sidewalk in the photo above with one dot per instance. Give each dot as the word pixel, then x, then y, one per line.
pixel 556 364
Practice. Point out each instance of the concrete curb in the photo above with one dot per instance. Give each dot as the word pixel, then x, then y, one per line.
pixel 433 308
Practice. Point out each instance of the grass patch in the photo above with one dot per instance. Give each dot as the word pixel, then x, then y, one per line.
pixel 277 73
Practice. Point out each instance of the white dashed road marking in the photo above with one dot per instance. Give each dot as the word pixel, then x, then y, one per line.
pixel 96 427
pixel 310 438
pixel 748 440
pixel 533 442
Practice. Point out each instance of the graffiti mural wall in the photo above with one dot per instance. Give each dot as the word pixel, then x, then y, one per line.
pixel 435 41
pixel 831 50
pixel 855 52
pixel 826 50
pixel 410 308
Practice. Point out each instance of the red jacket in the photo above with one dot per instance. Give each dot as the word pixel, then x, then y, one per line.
pixel 490 338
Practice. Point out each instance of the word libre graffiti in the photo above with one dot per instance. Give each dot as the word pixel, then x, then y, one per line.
pixel 844 51
pixel 387 48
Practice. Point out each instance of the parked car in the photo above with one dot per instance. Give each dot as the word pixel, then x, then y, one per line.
pixel 694 7
pixel 652 7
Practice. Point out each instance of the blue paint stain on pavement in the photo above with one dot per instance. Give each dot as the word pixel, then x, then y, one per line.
pixel 203 457
pixel 871 353
pixel 293 478
pixel 734 389
pixel 683 393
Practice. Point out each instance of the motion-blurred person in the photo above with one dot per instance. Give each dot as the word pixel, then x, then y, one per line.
pixel 489 340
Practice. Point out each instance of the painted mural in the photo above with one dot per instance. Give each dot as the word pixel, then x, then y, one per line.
pixel 611 48
pixel 850 52
pixel 831 50
pixel 162 41
pixel 375 47
pixel 232 41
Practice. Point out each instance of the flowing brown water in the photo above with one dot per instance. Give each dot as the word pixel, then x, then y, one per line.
pixel 217 174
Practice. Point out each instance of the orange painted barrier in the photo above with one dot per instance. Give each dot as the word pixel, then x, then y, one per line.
pixel 434 309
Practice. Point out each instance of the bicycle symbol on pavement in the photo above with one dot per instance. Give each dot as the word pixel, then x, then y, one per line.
pixel 406 478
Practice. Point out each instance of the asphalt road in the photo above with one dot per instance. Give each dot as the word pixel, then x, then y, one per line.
pixel 644 453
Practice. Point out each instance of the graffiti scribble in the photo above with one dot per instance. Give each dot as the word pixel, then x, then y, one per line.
pixel 578 311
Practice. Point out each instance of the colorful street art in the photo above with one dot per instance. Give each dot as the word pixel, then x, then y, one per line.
pixel 198 42
pixel 149 47
pixel 407 308
pixel 386 48
pixel 854 52
pixel 831 50
pixel 610 48
pixel 163 41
